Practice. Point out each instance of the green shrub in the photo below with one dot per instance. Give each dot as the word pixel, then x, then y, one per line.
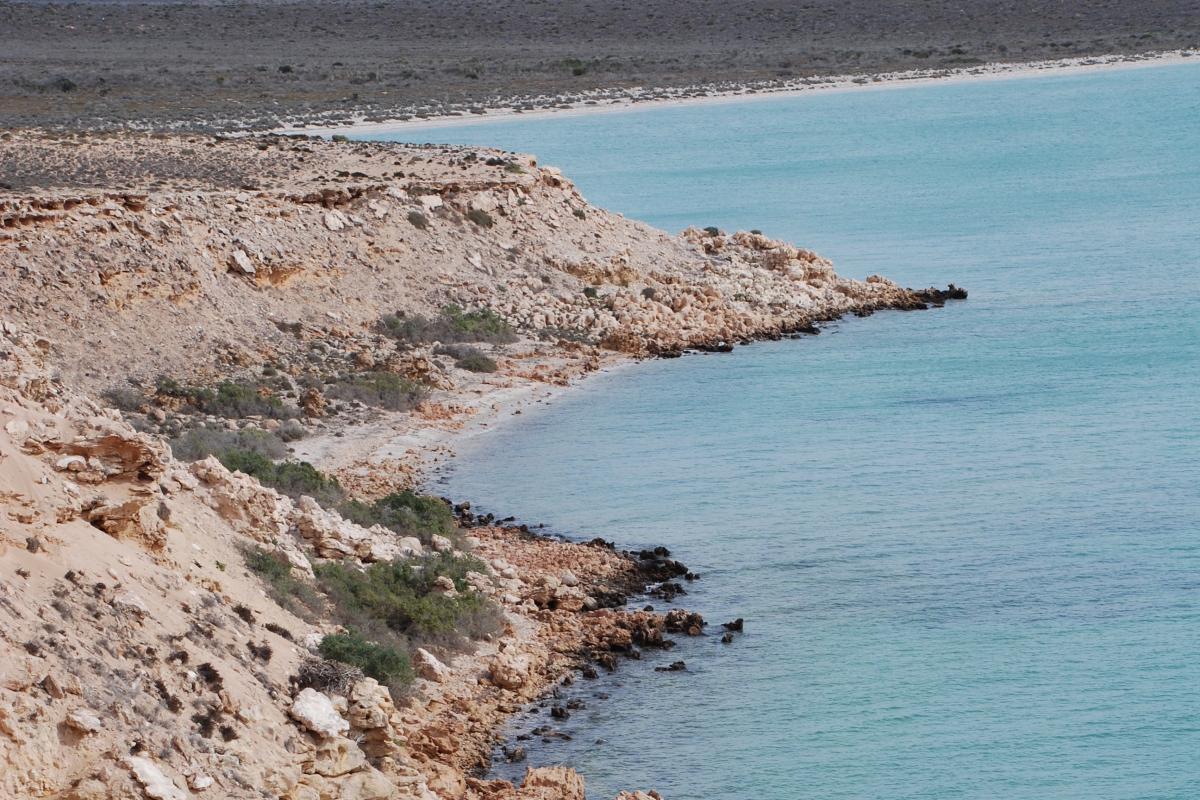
pixel 590 292
pixel 406 513
pixel 384 662
pixel 712 230
pixel 466 357
pixel 481 218
pixel 292 478
pixel 418 220
pixel 399 595
pixel 477 362
pixel 294 594
pixel 381 390
pixel 124 398
pixel 197 443
pixel 230 399
pixel 337 137
pixel 453 325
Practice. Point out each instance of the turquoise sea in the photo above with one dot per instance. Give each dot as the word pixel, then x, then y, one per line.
pixel 966 542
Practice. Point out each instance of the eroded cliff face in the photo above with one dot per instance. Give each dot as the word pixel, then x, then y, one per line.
pixel 139 655
pixel 196 267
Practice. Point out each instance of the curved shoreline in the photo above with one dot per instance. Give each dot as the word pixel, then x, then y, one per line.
pixel 646 98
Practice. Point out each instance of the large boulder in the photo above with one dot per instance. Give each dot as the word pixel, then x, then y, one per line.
pixel 315 711
pixel 552 783
pixel 509 671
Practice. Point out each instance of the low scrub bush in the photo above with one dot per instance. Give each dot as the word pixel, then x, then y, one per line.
pixel 469 358
pixel 453 325
pixel 124 398
pixel 406 513
pixel 198 443
pixel 384 662
pixel 292 478
pixel 418 220
pixel 481 218
pixel 380 390
pixel 229 399
pixel 290 592
pixel 400 596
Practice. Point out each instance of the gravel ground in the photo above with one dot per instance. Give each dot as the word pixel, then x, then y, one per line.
pixel 208 64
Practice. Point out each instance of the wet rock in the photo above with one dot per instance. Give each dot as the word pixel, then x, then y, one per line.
pixel 679 621
pixel 675 666
pixel 736 625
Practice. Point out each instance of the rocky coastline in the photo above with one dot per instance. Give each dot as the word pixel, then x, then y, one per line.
pixel 293 330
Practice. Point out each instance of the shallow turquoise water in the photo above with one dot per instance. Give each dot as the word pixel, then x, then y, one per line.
pixel 966 541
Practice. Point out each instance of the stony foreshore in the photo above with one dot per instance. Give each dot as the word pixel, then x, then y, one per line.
pixel 300 293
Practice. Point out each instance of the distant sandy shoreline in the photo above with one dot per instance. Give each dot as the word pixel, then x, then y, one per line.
pixel 646 98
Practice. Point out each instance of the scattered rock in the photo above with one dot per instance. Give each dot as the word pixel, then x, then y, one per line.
pixel 155 784
pixel 240 262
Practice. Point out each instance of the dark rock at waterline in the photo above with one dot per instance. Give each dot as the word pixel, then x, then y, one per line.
pixel 609 599
pixel 575 704
pixel 938 297
pixel 727 638
pixel 737 625
pixel 667 590
pixel 676 666
pixel 560 712
pixel 589 672
pixel 514 754
pixel 679 621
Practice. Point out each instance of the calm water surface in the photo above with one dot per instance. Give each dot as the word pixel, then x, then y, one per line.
pixel 966 542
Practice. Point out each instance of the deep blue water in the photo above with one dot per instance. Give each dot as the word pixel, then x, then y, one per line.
pixel 966 541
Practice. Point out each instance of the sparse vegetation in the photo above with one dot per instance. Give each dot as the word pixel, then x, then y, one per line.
pixel 124 398
pixel 384 662
pixel 398 599
pixel 230 399
pixel 469 358
pixel 481 218
pixel 406 513
pixel 294 594
pixel 197 443
pixel 292 478
pixel 380 390
pixel 418 220
pixel 453 325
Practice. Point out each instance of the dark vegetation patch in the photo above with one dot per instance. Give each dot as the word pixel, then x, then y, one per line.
pixel 386 663
pixel 401 598
pixel 406 513
pixel 453 325
pixel 466 357
pixel 230 399
pixel 292 478
pixel 296 595
pixel 385 390
pixel 202 442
